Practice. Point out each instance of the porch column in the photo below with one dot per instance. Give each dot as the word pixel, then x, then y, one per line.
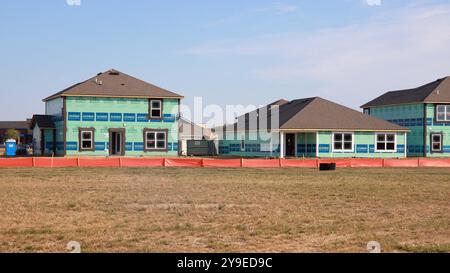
pixel 406 145
pixel 296 141
pixel 282 144
pixel 317 144
pixel 305 153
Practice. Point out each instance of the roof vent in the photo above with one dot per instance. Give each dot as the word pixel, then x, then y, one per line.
pixel 438 91
pixel 114 73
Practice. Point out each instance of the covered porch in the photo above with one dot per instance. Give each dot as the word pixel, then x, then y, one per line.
pixel 299 144
pixel 44 135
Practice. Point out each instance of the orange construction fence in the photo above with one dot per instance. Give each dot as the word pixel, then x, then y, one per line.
pixel 426 162
pixel 406 163
pixel 58 162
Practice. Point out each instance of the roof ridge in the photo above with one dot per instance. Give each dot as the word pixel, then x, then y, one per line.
pixel 276 102
pixel 310 100
pixel 418 94
pixel 139 86
pixel 354 110
pixel 264 107
pixel 133 77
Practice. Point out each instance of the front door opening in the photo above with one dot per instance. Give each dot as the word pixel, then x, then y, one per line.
pixel 290 145
pixel 116 142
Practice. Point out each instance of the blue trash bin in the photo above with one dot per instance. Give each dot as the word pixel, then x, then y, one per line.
pixel 11 147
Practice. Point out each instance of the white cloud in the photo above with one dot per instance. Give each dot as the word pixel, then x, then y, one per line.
pixel 373 2
pixel 73 2
pixel 352 64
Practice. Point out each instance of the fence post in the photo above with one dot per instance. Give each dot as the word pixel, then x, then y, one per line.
pixel 78 162
pixel 418 162
pixel 281 162
pixel 164 162
pixel 120 162
pixel 34 162
pixel 242 163
pixel 203 162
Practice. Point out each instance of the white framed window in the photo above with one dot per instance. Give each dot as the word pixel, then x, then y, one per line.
pixel 436 142
pixel 443 113
pixel 386 142
pixel 155 140
pixel 155 109
pixel 86 139
pixel 343 142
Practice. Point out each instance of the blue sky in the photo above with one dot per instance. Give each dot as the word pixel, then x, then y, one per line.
pixel 226 51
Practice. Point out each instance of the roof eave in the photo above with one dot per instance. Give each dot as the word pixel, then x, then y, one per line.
pixel 51 98
pixel 111 96
pixel 393 104
pixel 405 103
pixel 344 130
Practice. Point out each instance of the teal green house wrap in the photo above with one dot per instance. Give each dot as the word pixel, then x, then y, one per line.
pixel 113 114
pixel 312 127
pixel 424 110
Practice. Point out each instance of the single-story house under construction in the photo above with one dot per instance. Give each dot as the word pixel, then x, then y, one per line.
pixel 313 127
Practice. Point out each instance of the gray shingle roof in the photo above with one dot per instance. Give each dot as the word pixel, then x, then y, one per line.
pixel 437 91
pixel 43 121
pixel 320 114
pixel 114 83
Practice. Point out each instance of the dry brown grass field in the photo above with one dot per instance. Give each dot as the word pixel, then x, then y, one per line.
pixel 224 210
